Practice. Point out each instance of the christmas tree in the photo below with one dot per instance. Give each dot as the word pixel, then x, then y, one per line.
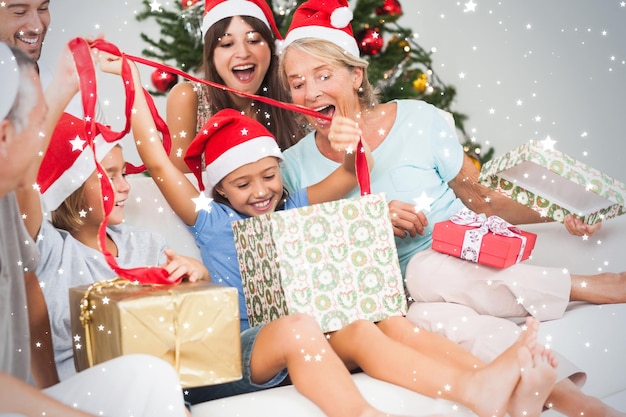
pixel 398 65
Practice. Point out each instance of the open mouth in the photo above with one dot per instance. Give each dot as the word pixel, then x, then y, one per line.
pixel 262 205
pixel 244 73
pixel 120 203
pixel 328 111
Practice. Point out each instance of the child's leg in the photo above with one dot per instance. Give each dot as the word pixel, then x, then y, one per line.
pixel 485 391
pixel 297 343
pixel 430 344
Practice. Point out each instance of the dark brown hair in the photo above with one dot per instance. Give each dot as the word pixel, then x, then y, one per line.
pixel 285 125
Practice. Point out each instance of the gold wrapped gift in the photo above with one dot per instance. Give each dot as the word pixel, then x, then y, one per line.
pixel 193 326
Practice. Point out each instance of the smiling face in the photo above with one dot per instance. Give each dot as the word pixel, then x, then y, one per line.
pixel 242 56
pixel 255 188
pixel 24 23
pixel 328 88
pixel 115 167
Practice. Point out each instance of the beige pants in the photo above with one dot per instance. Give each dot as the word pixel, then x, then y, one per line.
pixel 479 307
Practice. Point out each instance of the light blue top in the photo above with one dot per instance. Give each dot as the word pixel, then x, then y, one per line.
pixel 419 156
pixel 214 236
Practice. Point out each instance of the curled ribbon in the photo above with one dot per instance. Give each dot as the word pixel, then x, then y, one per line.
pixel 473 237
pixel 87 80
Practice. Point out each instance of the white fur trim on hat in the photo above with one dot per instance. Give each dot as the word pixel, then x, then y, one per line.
pixel 230 8
pixel 9 80
pixel 77 174
pixel 336 36
pixel 244 153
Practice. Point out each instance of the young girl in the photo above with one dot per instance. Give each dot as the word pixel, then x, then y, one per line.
pixel 68 243
pixel 243 177
pixel 239 52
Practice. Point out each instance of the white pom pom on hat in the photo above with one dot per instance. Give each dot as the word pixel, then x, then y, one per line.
pixel 328 20
pixel 341 17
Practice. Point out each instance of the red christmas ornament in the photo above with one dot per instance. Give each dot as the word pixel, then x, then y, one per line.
pixel 163 80
pixel 370 41
pixel 188 3
pixel 389 8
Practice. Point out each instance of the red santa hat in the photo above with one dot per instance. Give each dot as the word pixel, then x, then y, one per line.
pixel 228 141
pixel 9 80
pixel 216 10
pixel 69 160
pixel 323 19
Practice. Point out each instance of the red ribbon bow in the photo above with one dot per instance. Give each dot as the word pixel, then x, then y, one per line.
pixel 473 237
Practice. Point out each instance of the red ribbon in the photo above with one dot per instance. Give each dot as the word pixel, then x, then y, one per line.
pixel 362 169
pixel 87 79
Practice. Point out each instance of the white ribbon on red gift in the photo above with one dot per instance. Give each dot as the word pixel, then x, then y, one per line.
pixel 473 237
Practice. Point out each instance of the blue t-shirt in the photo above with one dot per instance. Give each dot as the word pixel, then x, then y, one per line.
pixel 418 158
pixel 214 236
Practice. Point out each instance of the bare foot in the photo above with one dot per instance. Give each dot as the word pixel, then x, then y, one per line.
pixel 605 288
pixel 536 383
pixel 490 388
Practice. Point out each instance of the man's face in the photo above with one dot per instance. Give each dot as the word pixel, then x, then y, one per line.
pixel 24 23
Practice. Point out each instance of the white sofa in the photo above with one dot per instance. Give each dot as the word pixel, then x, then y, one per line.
pixel 591 336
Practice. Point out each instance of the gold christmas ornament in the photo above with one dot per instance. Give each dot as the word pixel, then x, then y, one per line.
pixel 421 83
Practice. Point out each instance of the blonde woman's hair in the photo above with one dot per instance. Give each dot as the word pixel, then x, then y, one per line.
pixel 334 55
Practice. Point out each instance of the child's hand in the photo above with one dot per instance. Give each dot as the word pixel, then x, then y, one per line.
pixel 109 63
pixel 184 266
pixel 112 64
pixel 344 134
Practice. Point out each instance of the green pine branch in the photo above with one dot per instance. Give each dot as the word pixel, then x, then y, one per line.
pixel 175 42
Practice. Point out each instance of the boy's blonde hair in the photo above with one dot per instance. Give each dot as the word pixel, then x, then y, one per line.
pixel 67 215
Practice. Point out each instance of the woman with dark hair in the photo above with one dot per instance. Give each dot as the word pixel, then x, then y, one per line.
pixel 239 52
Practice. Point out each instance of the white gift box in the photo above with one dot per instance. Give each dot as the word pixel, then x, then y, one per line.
pixel 554 184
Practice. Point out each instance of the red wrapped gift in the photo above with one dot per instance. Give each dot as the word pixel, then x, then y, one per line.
pixel 489 241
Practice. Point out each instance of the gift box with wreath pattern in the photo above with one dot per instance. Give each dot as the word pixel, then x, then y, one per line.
pixel 336 261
